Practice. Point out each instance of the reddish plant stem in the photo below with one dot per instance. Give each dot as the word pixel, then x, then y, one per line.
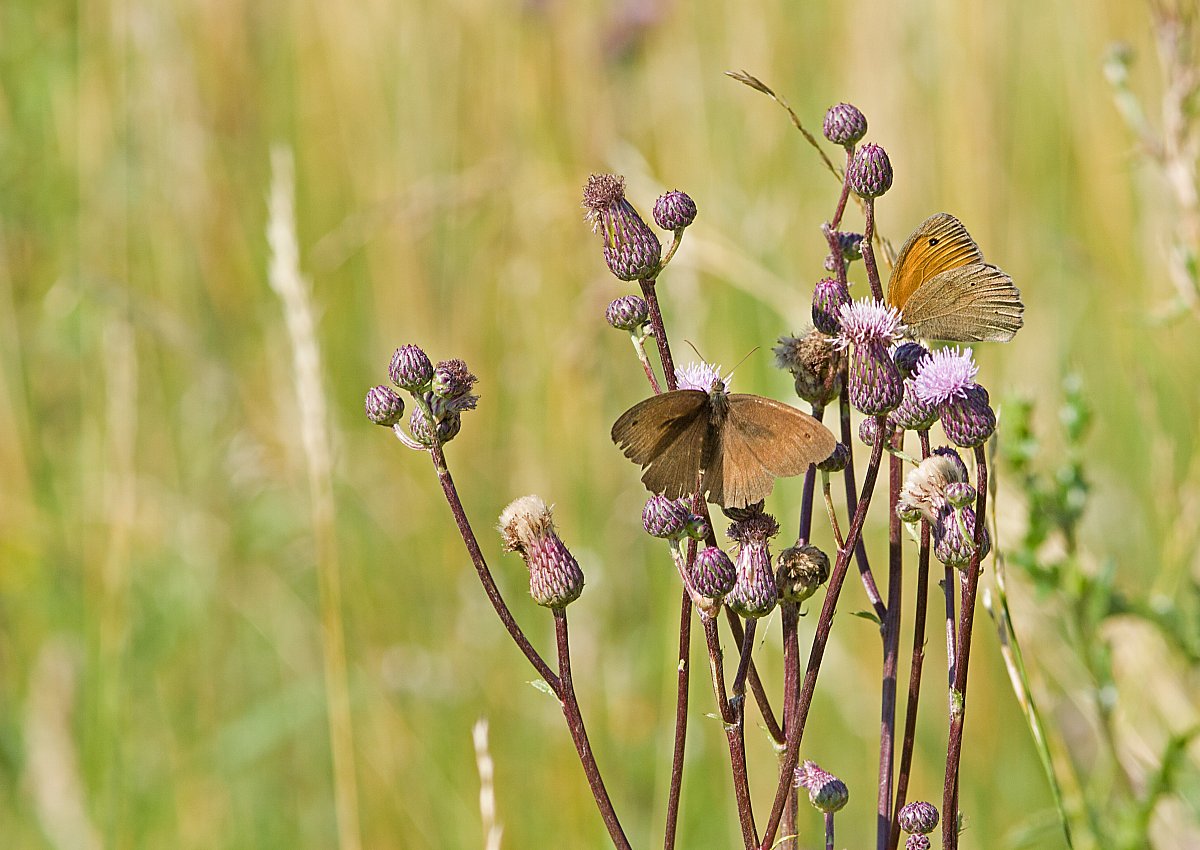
pixel 891 653
pixel 756 685
pixel 820 639
pixel 914 673
pixel 660 332
pixel 966 620
pixel 485 574
pixel 860 549
pixel 681 704
pixel 868 249
pixel 791 694
pixel 828 830
pixel 570 707
pixel 841 204
pixel 731 718
pixel 739 678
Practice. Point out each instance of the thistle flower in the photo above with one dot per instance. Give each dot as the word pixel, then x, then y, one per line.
pixel 826 792
pixel 802 569
pixel 448 424
pixel 527 527
pixel 925 485
pixel 713 574
pixel 383 406
pixel 452 380
pixel 918 817
pixel 912 414
pixel 947 379
pixel 410 368
pixel 815 363
pixel 844 125
pixel 908 355
pixel 628 313
pixel 698 376
pixel 697 527
pixel 665 518
pixel 960 494
pixel 674 210
pixel 755 593
pixel 631 249
pixel 917 842
pixel 870 173
pixel 850 245
pixel 874 381
pixel 829 296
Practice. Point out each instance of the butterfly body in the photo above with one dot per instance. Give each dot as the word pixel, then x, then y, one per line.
pixel 944 290
pixel 731 446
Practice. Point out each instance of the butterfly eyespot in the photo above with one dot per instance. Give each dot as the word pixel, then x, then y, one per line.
pixel 933 241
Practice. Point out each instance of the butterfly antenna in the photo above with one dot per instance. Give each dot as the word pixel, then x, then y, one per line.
pixel 740 362
pixel 696 350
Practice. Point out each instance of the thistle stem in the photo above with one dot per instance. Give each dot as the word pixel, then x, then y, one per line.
pixel 841 204
pixel 660 332
pixel 966 620
pixel 791 693
pixel 860 550
pixel 820 639
pixel 891 657
pixel 570 707
pixel 683 676
pixel 868 249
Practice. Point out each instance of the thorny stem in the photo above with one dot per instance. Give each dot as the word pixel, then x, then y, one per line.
pixel 891 656
pixel 966 619
pixel 914 670
pixel 868 249
pixel 860 550
pixel 485 574
pixel 570 707
pixel 731 718
pixel 820 639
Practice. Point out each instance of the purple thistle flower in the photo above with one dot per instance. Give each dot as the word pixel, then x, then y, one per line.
pixel 628 313
pixel 665 518
pixel 674 210
pixel 968 421
pixel 918 817
pixel 945 374
pixel 755 593
pixel 713 574
pixel 829 297
pixel 867 320
pixel 631 249
pixel 870 173
pixel 698 376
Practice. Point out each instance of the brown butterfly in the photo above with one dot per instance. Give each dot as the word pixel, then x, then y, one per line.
pixel 731 446
pixel 944 290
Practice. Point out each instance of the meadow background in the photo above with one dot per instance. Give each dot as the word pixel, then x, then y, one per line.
pixel 161 660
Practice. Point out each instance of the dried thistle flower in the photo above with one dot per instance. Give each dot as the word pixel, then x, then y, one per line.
pixel 755 593
pixel 631 249
pixel 925 485
pixel 802 569
pixel 527 528
pixel 815 363
pixel 452 380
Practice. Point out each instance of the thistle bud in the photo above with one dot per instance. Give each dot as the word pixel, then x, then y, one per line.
pixel 631 249
pixel 674 210
pixel 802 569
pixel 410 368
pixel 449 423
pixel 665 518
pixel 829 296
pixel 713 574
pixel 913 414
pixel 919 817
pixel 850 245
pixel 826 792
pixel 527 527
pixel 815 363
pixel 870 173
pixel 697 527
pixel 968 421
pixel 868 430
pixel 837 460
pixel 954 538
pixel 844 124
pixel 755 593
pixel 452 379
pixel 628 313
pixel 917 842
pixel 908 356
pixel 960 494
pixel 908 513
pixel 383 406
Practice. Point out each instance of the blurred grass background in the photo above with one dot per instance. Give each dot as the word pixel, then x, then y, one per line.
pixel 160 637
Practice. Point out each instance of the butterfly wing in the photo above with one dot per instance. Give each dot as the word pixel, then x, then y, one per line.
pixel 762 440
pixel 975 303
pixel 939 245
pixel 665 435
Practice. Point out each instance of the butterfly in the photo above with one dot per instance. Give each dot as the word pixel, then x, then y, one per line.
pixel 732 446
pixel 944 290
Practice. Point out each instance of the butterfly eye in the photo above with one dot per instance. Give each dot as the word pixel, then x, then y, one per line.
pixel 933 241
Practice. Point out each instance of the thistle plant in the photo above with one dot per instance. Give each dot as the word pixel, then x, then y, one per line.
pixel 855 356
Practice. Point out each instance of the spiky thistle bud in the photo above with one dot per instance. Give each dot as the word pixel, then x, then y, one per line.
pixel 665 518
pixel 628 313
pixel 908 356
pixel 755 593
pixel 874 381
pixel 837 459
pixel 713 574
pixel 969 421
pixel 631 249
pixel 383 406
pixel 697 527
pixel 815 363
pixel 527 527
pixel 449 423
pixel 960 494
pixel 410 368
pixel 802 569
pixel 452 379
pixel 826 792
pixel 917 842
pixel 844 124
pixel 954 537
pixel 918 817
pixel 829 296
pixel 674 210
pixel 913 414
pixel 870 173
pixel 947 379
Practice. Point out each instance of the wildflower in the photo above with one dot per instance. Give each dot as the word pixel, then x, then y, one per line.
pixel 826 792
pixel 383 406
pixel 755 593
pixel 874 381
pixel 527 527
pixel 844 125
pixel 947 379
pixel 628 313
pixel 452 380
pixel 815 363
pixel 698 376
pixel 674 210
pixel 631 249
pixel 802 569
pixel 410 368
pixel 870 173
